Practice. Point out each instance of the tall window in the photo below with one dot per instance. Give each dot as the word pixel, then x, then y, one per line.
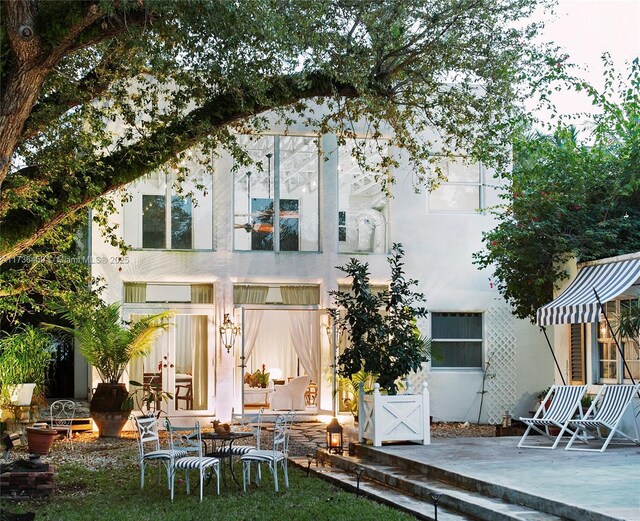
pixel 276 197
pixel 363 213
pixel 166 225
pixel 461 192
pixel 456 340
pixel 611 365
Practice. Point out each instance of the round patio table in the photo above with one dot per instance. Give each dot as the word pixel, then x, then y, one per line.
pixel 222 447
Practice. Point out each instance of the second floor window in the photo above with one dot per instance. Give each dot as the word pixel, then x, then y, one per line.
pixel 462 190
pixel 276 205
pixel 167 222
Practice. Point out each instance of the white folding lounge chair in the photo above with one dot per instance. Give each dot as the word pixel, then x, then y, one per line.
pixel 606 411
pixel 563 404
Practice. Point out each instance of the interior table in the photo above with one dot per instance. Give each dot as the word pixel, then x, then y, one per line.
pixel 222 447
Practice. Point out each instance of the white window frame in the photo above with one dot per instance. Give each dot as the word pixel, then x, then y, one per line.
pixel 603 335
pixel 168 195
pixel 481 191
pixel 446 340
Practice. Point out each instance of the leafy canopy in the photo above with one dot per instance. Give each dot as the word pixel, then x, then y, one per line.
pixel 98 93
pixel 569 197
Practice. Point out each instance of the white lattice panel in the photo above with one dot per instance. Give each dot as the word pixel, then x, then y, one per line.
pixel 500 385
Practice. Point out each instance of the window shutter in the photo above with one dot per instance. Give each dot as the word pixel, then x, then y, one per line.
pixel 576 355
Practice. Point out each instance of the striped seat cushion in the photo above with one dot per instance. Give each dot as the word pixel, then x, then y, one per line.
pixel 193 462
pixel 237 450
pixel 263 455
pixel 166 454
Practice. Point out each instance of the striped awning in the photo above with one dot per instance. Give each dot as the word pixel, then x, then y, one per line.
pixel 578 303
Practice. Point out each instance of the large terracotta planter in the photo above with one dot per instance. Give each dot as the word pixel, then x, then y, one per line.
pixel 106 409
pixel 40 440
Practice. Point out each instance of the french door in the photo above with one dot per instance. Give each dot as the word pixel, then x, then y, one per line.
pixel 180 361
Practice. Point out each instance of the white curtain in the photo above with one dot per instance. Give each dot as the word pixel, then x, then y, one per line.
pixel 201 293
pixel 251 328
pixel 304 331
pixel 135 292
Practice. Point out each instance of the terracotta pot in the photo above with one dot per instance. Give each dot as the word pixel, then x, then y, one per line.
pixel 106 409
pixel 40 440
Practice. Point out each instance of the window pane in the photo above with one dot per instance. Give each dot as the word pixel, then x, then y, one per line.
pixel 181 223
pixel 261 224
pixel 361 199
pixel 456 354
pixel 253 191
pixel 608 360
pixel 459 172
pixel 299 204
pixel 289 225
pixel 456 325
pixel 153 221
pixel 460 198
pixel 448 350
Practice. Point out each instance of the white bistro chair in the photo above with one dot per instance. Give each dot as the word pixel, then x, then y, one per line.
pixel 149 447
pixel 189 439
pixel 61 414
pixel 274 457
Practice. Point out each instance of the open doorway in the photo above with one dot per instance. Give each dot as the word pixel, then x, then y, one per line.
pixel 288 341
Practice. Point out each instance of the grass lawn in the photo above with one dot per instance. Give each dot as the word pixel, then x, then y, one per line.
pixel 114 494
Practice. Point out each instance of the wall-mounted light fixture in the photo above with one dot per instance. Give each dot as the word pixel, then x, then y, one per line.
pixel 228 332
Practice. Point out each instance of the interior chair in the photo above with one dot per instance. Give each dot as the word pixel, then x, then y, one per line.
pixel 557 409
pixel 290 396
pixel 149 447
pixel 153 382
pixel 274 457
pixel 606 412
pixel 184 392
pixel 61 414
pixel 189 439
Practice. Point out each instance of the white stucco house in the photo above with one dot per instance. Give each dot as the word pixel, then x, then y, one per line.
pixel 262 245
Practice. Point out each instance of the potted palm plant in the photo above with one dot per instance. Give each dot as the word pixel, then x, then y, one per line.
pixel 108 343
pixel 384 342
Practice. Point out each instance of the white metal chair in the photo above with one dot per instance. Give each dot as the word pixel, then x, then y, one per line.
pixel 557 409
pixel 147 437
pixel 61 414
pixel 189 439
pixel 273 458
pixel 606 412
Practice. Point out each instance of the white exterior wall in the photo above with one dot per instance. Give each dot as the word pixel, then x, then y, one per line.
pixel 439 250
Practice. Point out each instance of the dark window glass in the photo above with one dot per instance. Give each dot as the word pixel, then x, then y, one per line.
pixel 450 347
pixel 342 226
pixel 261 224
pixel 153 221
pixel 289 225
pixel 181 223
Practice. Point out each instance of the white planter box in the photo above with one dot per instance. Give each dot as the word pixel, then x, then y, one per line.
pixel 401 417
pixel 20 394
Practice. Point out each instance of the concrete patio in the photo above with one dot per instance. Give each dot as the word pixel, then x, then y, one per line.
pixel 480 476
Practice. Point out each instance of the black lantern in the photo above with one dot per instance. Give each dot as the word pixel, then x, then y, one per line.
pixel 334 437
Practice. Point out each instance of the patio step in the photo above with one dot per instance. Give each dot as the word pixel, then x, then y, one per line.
pixel 479 499
pixel 454 499
pixel 379 492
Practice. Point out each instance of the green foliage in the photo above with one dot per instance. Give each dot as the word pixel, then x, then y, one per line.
pixel 568 198
pixel 352 385
pixel 147 398
pixel 25 355
pixel 108 343
pixel 388 345
pixel 627 323
pixel 125 88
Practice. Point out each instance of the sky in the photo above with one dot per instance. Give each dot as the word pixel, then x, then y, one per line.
pixel 585 29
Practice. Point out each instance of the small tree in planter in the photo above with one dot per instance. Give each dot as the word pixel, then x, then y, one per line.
pixel 384 340
pixel 108 343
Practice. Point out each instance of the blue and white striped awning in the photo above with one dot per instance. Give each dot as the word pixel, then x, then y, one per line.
pixel 578 303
